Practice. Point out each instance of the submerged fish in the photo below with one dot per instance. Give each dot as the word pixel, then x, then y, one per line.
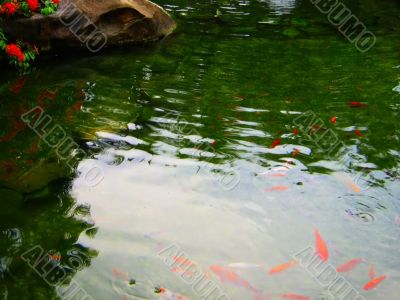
pixel 320 246
pixel 295 152
pixel 277 188
pixel 374 282
pixel 283 267
pixel 333 120
pixel 358 133
pixel 120 274
pixel 371 272
pixel 275 143
pixel 169 295
pixel 182 261
pixel 356 104
pixel 17 86
pixel 227 275
pixel 350 265
pixel 295 297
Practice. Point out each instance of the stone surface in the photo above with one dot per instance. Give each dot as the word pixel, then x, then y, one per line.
pixel 94 24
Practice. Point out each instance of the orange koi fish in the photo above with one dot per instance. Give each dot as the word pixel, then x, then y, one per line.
pixel 275 143
pixel 55 257
pixel 350 265
pixel 182 261
pixel 374 282
pixel 120 274
pixel 295 152
pixel 182 271
pixel 348 182
pixel 277 188
pixel 169 295
pixel 371 272
pixel 225 274
pixel 295 297
pixel 282 267
pixel 320 246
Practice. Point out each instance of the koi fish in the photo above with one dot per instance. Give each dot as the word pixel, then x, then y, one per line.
pixel 320 246
pixel 225 274
pixel 182 261
pixel 358 132
pixel 374 282
pixel 333 120
pixel 277 188
pixel 18 85
pixel 348 182
pixel 277 174
pixel 169 295
pixel 356 104
pixel 371 272
pixel 295 152
pixel 350 265
pixel 120 274
pixel 55 257
pixel 46 94
pixel 295 131
pixel 295 297
pixel 182 271
pixel 275 143
pixel 282 267
pixel 17 126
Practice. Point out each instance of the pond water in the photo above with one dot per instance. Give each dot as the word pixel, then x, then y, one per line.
pixel 225 149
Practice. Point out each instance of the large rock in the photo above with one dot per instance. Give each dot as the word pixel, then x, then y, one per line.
pixel 94 24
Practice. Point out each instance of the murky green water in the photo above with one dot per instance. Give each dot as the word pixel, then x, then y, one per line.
pixel 217 141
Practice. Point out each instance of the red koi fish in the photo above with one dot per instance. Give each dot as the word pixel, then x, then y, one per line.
pixel 356 104
pixel 282 267
pixel 358 132
pixel 295 131
pixel 295 297
pixel 374 282
pixel 277 188
pixel 18 85
pixel 275 143
pixel 350 265
pixel 371 272
pixel 320 246
pixel 333 120
pixel 227 275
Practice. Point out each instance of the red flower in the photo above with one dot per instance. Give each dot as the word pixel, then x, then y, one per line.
pixel 9 8
pixel 56 1
pixel 33 4
pixel 15 50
